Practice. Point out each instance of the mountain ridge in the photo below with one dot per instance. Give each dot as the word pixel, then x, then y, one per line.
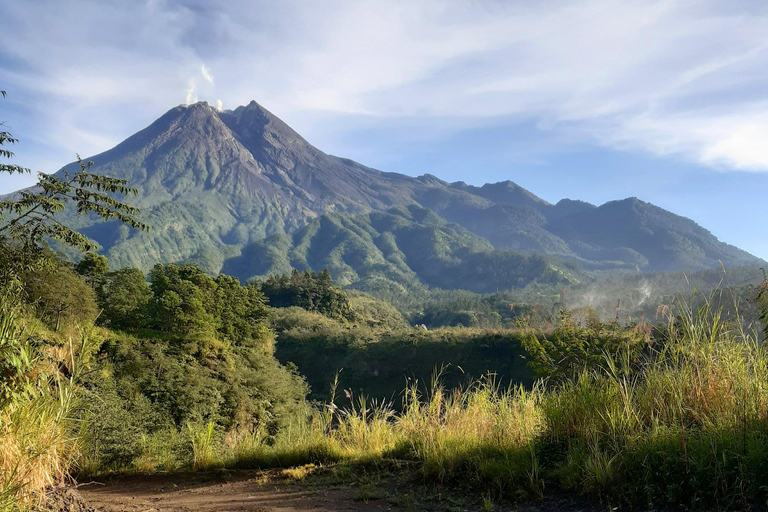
pixel 212 183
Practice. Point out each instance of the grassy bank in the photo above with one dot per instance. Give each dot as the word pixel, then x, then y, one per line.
pixel 675 419
pixel 684 425
pixel 38 391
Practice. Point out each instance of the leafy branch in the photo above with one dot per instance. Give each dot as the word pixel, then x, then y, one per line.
pixel 32 213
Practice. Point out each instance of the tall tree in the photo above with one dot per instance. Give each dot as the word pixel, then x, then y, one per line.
pixel 28 217
pixel 60 294
pixel 124 297
pixel 92 267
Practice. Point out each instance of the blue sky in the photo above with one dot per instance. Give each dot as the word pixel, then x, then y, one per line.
pixel 586 99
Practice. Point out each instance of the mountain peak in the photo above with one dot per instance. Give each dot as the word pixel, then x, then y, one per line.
pixel 201 108
pixel 212 182
pixel 199 104
pixel 262 132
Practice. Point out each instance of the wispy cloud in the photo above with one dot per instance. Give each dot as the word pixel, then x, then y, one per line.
pixel 682 77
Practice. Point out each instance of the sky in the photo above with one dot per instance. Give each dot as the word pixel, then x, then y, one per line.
pixel 586 99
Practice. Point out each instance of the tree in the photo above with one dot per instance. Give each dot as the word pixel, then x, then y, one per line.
pixel 124 297
pixel 242 312
pixel 28 217
pixel 92 267
pixel 59 294
pixel 7 138
pixel 184 300
pixel 313 292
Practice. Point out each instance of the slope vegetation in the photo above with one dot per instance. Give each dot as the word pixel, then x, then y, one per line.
pixel 216 185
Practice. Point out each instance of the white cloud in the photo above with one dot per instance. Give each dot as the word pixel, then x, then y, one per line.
pixel 685 77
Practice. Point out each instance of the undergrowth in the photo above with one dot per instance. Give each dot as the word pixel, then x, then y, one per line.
pixel 38 389
pixel 676 417
pixel 680 420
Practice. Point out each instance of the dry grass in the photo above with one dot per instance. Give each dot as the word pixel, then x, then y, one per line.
pixel 37 446
pixel 685 425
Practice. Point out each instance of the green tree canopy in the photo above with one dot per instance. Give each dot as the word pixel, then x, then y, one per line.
pixel 189 302
pixel 60 295
pixel 92 267
pixel 124 297
pixel 313 292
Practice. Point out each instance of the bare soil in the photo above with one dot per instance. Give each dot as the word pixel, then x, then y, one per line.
pixel 231 491
pixel 283 491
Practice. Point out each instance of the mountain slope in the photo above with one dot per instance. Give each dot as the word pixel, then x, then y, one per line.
pixel 406 247
pixel 213 184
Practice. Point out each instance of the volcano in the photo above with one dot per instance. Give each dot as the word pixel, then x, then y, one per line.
pixel 212 184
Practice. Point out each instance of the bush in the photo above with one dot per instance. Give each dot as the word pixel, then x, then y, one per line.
pixel 60 295
pixel 145 388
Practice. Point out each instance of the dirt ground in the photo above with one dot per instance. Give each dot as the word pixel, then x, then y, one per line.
pixel 281 491
pixel 242 491
pixel 250 491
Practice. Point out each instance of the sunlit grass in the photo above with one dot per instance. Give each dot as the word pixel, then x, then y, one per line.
pixel 684 424
pixel 38 440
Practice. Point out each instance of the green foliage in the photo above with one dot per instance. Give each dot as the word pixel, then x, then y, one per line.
pixel 208 363
pixel 145 387
pixel 17 357
pixel 5 139
pixel 59 294
pixel 242 311
pixel 186 301
pixel 92 267
pixel 373 313
pixel 313 292
pixel 124 297
pixel 377 362
pixel 31 217
pixel 571 350
pixel 453 308
pixel 115 422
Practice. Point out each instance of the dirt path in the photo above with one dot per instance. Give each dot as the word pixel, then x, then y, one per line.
pixel 295 491
pixel 242 491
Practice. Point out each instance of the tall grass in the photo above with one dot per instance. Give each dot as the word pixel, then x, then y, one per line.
pixel 686 428
pixel 37 446
pixel 685 424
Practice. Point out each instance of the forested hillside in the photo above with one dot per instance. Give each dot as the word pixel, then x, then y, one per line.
pixel 405 248
pixel 215 185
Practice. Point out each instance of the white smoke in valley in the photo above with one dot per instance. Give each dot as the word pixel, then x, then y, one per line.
pixel 604 297
pixel 645 291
